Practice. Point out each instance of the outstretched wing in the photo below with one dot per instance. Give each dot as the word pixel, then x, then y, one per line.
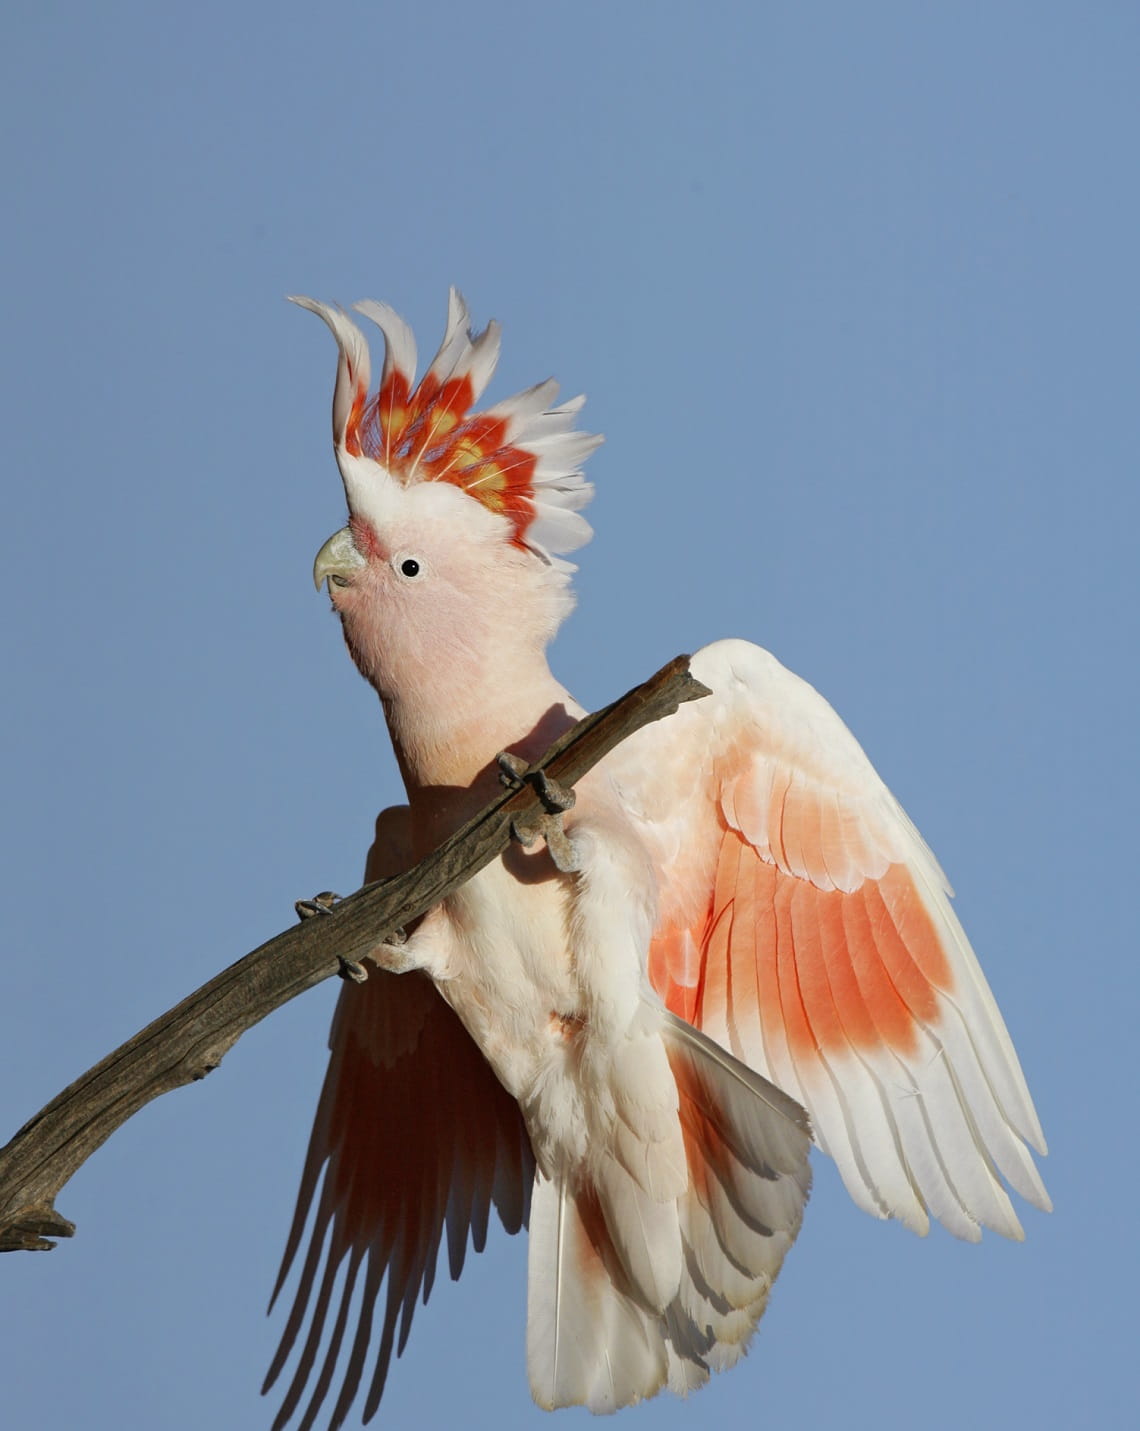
pixel 414 1135
pixel 804 925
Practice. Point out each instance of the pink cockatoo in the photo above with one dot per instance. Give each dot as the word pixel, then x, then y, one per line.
pixel 625 1030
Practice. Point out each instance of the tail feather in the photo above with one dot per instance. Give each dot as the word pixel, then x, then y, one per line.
pixel 644 1233
pixel 589 1342
pixel 612 1318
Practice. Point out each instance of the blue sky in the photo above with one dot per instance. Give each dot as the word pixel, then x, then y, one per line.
pixel 853 293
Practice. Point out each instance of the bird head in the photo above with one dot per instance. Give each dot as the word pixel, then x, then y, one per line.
pixel 450 559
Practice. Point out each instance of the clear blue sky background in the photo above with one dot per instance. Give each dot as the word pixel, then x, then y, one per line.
pixel 852 289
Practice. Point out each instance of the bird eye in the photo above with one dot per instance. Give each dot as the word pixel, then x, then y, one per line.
pixel 407 565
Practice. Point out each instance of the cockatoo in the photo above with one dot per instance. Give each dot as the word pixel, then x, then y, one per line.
pixel 631 1033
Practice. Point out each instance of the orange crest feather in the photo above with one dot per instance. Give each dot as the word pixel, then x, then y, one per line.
pixel 431 435
pixel 521 459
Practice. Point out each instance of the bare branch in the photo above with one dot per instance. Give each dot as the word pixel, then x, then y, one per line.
pixel 191 1039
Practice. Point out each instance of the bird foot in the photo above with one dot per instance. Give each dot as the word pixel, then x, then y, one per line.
pixel 514 774
pixel 548 827
pixel 351 969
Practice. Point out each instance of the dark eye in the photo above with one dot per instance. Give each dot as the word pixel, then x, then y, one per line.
pixel 410 567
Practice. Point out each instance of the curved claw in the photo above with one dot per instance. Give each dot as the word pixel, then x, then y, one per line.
pixel 512 770
pixel 323 903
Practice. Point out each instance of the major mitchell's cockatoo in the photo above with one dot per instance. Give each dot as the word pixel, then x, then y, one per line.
pixel 618 1031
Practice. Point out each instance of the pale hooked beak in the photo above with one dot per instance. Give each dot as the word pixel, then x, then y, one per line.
pixel 337 560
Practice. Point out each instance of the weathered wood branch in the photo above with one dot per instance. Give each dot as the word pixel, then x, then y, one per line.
pixel 191 1039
